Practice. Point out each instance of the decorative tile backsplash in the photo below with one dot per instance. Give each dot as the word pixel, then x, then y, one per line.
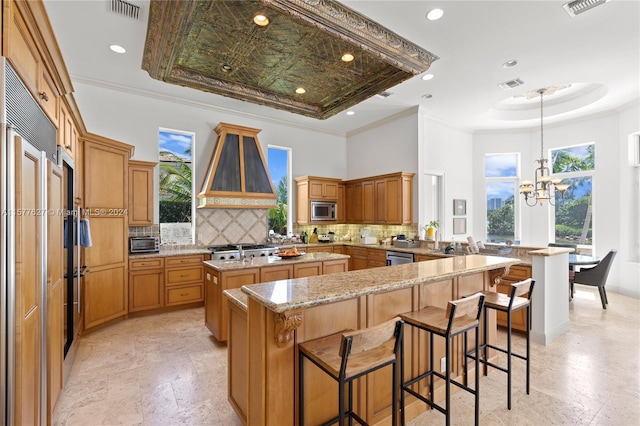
pixel 231 226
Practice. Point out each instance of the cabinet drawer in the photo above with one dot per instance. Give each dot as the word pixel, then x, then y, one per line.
pixel 180 276
pixel 186 294
pixel 184 260
pixel 518 273
pixel 146 263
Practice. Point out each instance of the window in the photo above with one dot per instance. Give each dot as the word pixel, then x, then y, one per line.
pixel 176 187
pixel 575 166
pixel 501 173
pixel 278 160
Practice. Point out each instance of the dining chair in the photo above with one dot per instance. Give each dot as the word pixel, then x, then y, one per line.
pixel 571 270
pixel 596 276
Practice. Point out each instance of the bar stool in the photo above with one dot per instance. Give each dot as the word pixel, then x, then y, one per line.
pixel 460 317
pixel 349 355
pixel 508 304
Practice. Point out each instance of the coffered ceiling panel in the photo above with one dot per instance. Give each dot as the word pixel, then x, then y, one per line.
pixel 215 46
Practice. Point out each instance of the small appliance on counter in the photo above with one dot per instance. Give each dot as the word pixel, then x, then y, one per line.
pixel 144 245
pixel 406 243
pixel 367 236
pixel 324 238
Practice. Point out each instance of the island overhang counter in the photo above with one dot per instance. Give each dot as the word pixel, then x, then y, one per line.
pixel 281 314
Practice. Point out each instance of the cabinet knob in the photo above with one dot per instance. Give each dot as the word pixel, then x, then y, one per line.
pixel 44 96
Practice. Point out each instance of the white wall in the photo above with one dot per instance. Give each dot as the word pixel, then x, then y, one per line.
pixel 135 119
pixel 611 180
pixel 447 149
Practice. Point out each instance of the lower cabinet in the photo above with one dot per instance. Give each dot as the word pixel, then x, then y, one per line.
pixel 358 259
pixel 309 269
pixel 518 319
pixel 146 284
pixel 159 282
pixel 423 257
pixel 320 249
pixel 376 258
pixel 216 306
pixel 105 295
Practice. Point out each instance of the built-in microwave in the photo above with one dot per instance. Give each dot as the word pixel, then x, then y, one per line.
pixel 144 245
pixel 323 211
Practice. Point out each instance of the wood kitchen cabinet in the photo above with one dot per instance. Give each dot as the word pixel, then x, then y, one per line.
pixel 341 214
pixel 368 202
pixel 376 258
pixel 320 249
pixel 308 269
pixel 184 277
pixel 105 163
pixel 276 273
pixel 358 259
pixel 216 309
pixel 384 199
pixel 423 257
pixel 349 199
pixel 141 200
pixel 146 284
pixel 25 50
pixel 313 188
pixel 67 131
pixel 516 273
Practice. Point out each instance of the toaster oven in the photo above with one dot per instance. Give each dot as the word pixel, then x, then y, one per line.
pixel 144 245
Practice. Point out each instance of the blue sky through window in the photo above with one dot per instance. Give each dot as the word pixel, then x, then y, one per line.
pixel 177 143
pixel 277 162
pixel 501 165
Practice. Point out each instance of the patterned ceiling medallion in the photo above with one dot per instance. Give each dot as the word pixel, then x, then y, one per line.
pixel 548 91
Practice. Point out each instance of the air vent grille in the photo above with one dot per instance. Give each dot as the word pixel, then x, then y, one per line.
pixel 508 85
pixel 26 116
pixel 126 9
pixel 384 94
pixel 577 7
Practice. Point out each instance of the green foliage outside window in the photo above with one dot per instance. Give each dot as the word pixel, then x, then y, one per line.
pixel 278 216
pixel 175 190
pixel 501 221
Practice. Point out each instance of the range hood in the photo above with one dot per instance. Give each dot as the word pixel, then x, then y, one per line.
pixel 237 176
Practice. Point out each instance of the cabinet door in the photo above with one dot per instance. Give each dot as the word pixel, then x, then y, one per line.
pixel 316 189
pixel 146 289
pixel 141 198
pixel 179 295
pixel 380 201
pixel 232 279
pixel 423 257
pixel 275 273
pixel 393 204
pixel 310 269
pixel 341 213
pixel 48 96
pixel 349 201
pixel 368 202
pixel 105 295
pixel 105 171
pixel 22 51
pixel 212 294
pixel 357 202
pixel 302 202
pixel 334 266
pixel 331 190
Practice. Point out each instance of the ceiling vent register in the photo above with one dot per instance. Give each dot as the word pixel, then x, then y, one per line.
pixel 577 7
pixel 237 176
pixel 508 85
pixel 126 9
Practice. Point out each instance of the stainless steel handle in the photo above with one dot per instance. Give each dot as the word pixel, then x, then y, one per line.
pixel 81 271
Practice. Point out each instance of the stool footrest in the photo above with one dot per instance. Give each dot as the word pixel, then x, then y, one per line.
pixel 426 401
pixel 425 375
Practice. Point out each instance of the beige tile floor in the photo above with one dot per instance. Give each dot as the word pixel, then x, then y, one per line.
pixel 168 370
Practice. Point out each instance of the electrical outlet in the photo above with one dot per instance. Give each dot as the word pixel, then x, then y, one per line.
pixel 443 364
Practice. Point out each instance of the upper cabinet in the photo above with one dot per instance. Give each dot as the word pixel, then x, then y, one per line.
pixel 23 48
pixel 141 201
pixel 312 188
pixel 381 200
pixel 67 131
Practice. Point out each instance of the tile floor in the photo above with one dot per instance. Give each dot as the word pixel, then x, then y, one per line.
pixel 168 370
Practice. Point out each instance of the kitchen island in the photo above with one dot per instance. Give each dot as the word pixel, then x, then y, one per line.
pixel 281 314
pixel 221 275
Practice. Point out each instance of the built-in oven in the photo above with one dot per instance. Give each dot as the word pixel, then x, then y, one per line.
pixel 323 211
pixel 144 244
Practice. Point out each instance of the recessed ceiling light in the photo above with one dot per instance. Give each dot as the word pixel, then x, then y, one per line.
pixel 261 20
pixel 226 68
pixel 117 49
pixel 351 113
pixel 509 64
pixel 435 14
pixel 427 77
pixel 300 90
pixel 347 57
pixel 427 96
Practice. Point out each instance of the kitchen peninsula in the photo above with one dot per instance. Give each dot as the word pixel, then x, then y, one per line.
pixel 281 314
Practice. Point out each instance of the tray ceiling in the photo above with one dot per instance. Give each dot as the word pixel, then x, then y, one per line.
pixel 215 46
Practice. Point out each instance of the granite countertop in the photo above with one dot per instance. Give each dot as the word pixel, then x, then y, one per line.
pixel 237 297
pixel 300 293
pixel 551 251
pixel 265 262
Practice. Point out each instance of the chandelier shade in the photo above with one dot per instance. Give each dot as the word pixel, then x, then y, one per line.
pixel 544 187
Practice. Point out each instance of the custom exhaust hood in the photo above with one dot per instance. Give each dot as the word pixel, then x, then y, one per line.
pixel 237 176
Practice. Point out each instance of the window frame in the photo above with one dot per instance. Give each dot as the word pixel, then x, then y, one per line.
pixel 515 180
pixel 289 152
pixel 194 194
pixel 572 175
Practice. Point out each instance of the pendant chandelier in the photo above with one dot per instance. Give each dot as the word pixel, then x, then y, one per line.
pixel 543 188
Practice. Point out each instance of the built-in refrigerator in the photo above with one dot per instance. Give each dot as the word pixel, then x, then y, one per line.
pixel 28 143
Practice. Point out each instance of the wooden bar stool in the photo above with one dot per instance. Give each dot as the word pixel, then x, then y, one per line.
pixel 508 304
pixel 460 317
pixel 348 355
